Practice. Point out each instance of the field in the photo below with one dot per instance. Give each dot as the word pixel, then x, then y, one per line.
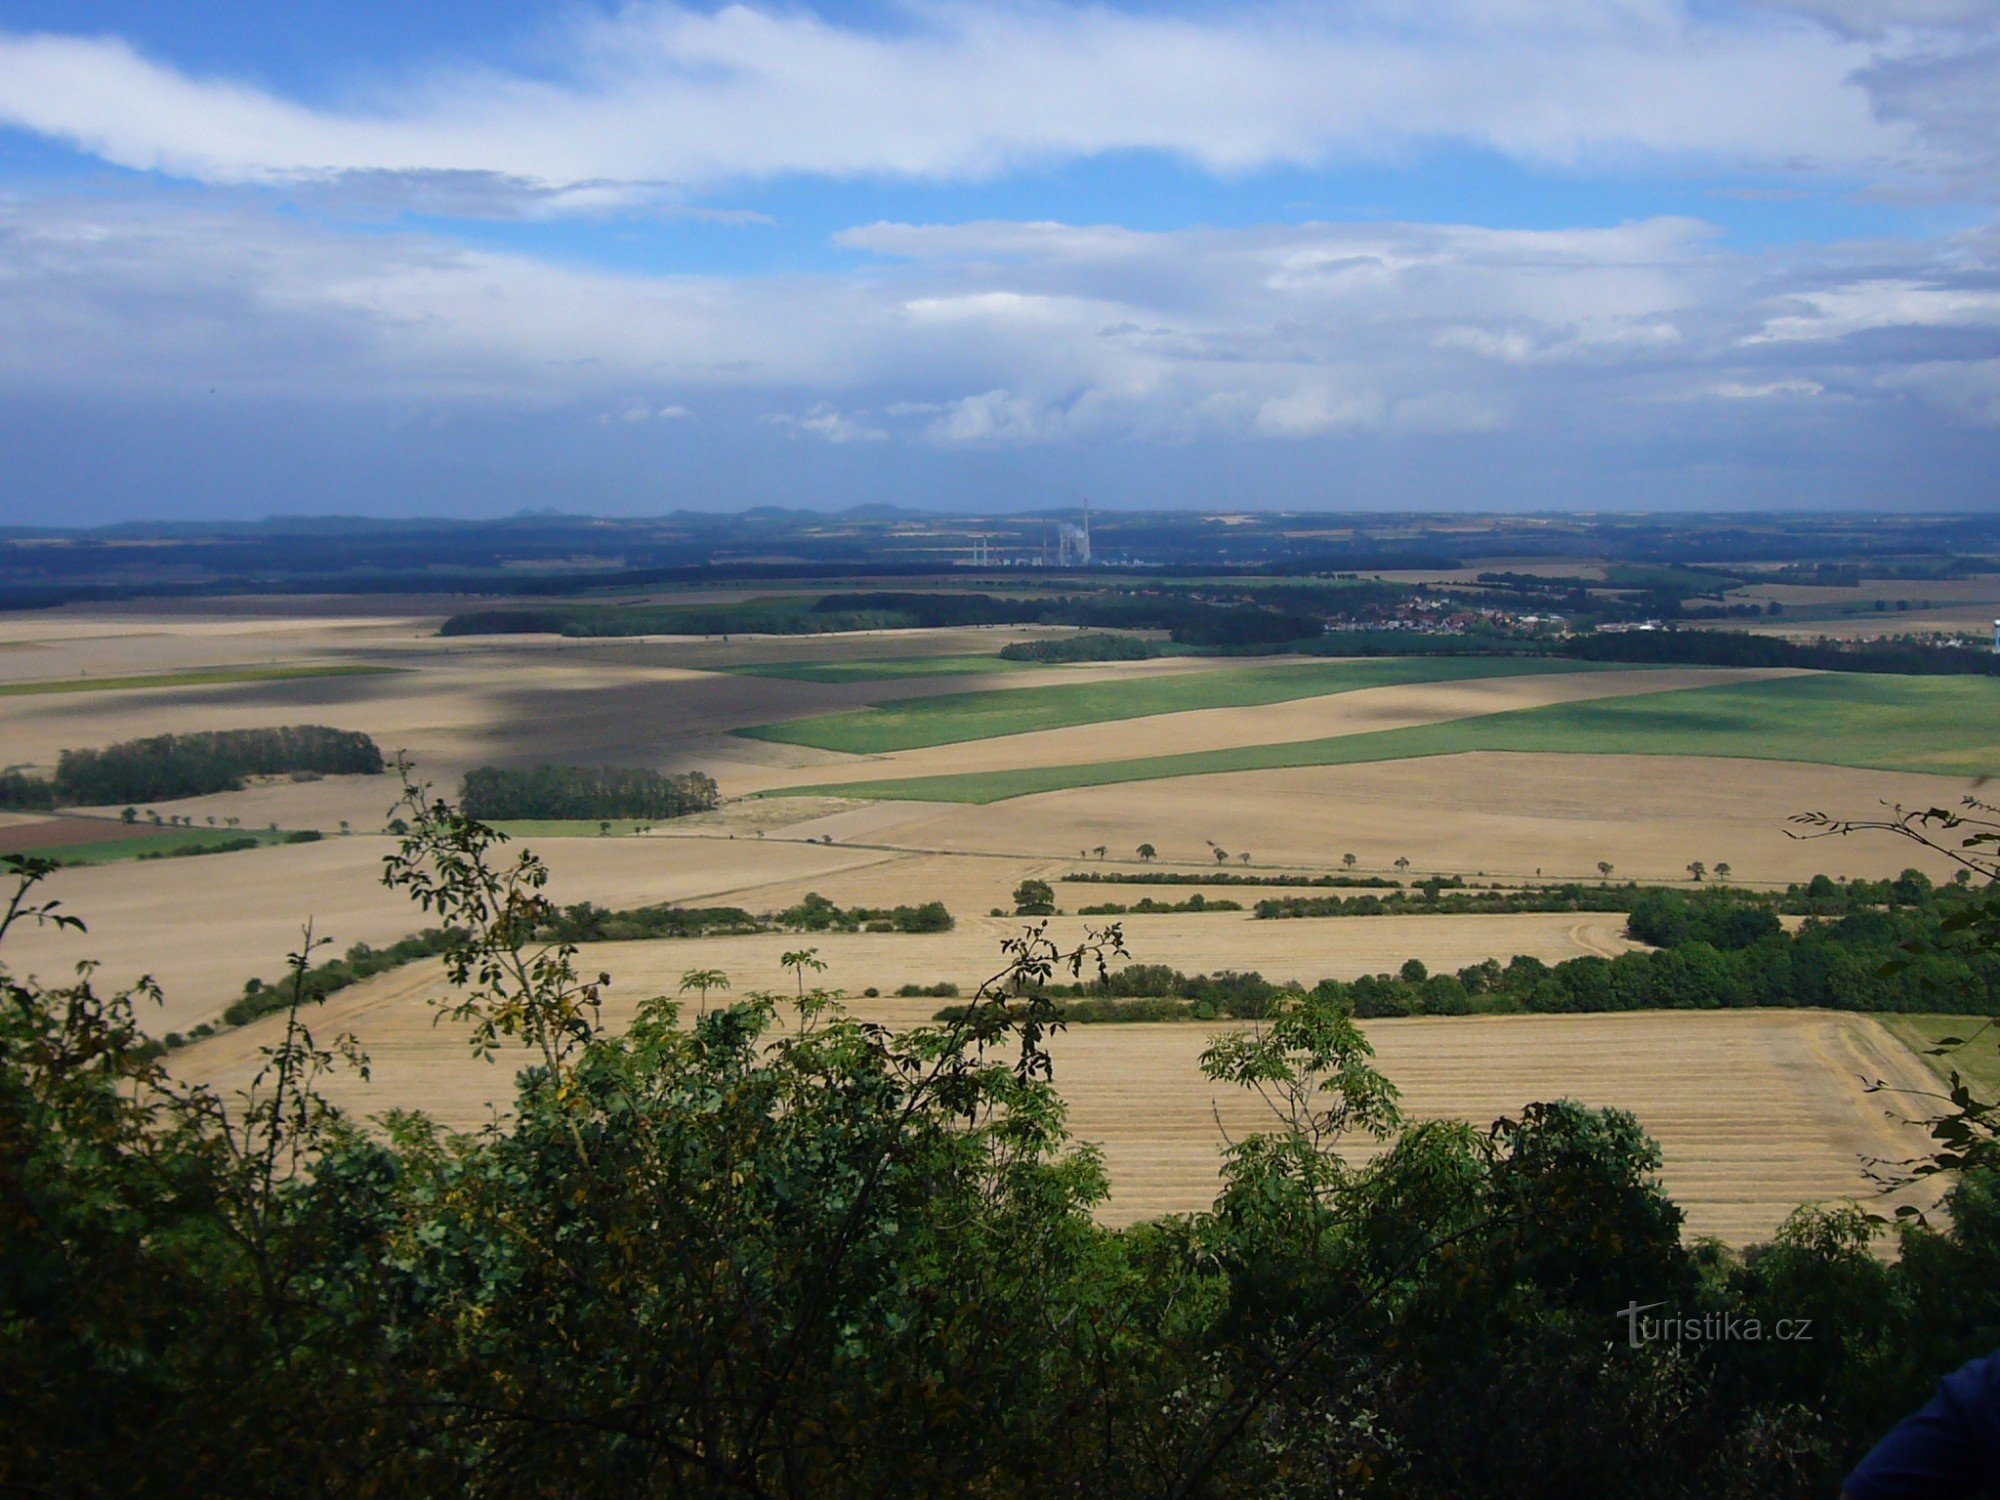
pixel 1976 1057
pixel 1948 725
pixel 880 670
pixel 979 774
pixel 181 679
pixel 92 841
pixel 1755 1113
pixel 954 718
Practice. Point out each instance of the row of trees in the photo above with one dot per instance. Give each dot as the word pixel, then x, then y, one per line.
pixel 588 793
pixel 1246 623
pixel 1085 646
pixel 1714 951
pixel 781 1253
pixel 163 767
pixel 582 922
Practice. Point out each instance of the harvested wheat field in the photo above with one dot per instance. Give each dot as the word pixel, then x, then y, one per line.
pixel 201 927
pixel 1500 813
pixel 1756 1112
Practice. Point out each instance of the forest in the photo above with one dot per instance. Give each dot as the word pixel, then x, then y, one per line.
pixel 585 792
pixel 163 767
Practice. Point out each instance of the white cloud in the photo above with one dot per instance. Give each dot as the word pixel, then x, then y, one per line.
pixel 829 425
pixel 1009 335
pixel 1736 390
pixel 663 96
pixel 1317 408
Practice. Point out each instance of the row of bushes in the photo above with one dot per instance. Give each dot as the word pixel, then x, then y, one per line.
pixel 494 794
pixel 233 845
pixel 1147 906
pixel 320 980
pixel 1660 915
pixel 586 922
pixel 817 914
pixel 163 767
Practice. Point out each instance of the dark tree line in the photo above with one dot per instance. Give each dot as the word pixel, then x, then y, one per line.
pixel 163 767
pixel 1714 950
pixel 1242 623
pixel 1089 646
pixel 1733 648
pixel 585 792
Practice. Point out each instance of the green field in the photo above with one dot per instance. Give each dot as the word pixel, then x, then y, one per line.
pixel 115 851
pixel 570 828
pixel 1978 1061
pixel 888 669
pixel 210 677
pixel 955 717
pixel 1941 725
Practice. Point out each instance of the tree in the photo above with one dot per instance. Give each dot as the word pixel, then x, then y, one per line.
pixel 1221 854
pixel 344 826
pixel 1147 853
pixel 1100 851
pixel 1244 856
pixel 703 980
pixel 131 815
pixel 1721 870
pixel 1347 861
pixel 603 827
pixel 799 961
pixel 1696 869
pixel 1402 864
pixel 1034 898
pixel 1604 868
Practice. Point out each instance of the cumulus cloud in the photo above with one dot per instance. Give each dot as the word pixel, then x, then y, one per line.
pixel 829 425
pixel 1011 335
pixel 664 96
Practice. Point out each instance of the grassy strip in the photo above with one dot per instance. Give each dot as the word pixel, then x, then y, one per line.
pixel 1978 1061
pixel 171 843
pixel 1223 877
pixel 571 828
pixel 956 717
pixel 1936 725
pixel 888 669
pixel 207 678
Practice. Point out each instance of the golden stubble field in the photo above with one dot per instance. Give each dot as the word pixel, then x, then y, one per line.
pixel 1500 813
pixel 1755 1112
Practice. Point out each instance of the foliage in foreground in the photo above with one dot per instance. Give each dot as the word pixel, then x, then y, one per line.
pixel 782 1252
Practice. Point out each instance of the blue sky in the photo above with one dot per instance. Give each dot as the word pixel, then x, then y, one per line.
pixel 462 259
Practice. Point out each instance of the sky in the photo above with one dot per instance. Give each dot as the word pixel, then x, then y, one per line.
pixel 464 259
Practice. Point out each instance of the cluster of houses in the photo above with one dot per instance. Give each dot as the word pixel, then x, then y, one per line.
pixel 1424 616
